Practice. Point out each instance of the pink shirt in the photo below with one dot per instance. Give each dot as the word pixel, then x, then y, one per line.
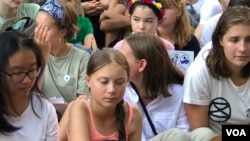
pixel 96 136
pixel 168 45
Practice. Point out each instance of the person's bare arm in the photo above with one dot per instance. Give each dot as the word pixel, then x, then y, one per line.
pixel 78 122
pixel 197 115
pixel 198 31
pixel 92 8
pixel 63 124
pixel 136 125
pixel 89 41
pixel 112 4
pixel 112 21
pixel 106 3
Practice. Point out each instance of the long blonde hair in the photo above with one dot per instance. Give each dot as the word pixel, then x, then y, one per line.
pixel 183 30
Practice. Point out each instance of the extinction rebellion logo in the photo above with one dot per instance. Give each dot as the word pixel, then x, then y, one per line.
pixel 220 111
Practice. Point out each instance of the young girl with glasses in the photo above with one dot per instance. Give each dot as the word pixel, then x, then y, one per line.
pixel 25 113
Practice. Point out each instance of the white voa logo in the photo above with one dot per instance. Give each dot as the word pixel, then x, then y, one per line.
pixel 236 132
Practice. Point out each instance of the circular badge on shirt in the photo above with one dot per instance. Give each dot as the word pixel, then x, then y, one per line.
pixel 66 78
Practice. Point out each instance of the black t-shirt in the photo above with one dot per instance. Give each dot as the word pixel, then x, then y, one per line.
pixel 192 45
pixel 99 35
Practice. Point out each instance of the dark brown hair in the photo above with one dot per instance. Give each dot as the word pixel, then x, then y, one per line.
pixel 160 71
pixel 216 60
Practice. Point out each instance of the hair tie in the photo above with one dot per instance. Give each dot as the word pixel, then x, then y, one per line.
pixel 54 8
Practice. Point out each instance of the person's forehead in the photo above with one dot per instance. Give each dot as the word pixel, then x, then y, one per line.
pixel 143 11
pixel 22 59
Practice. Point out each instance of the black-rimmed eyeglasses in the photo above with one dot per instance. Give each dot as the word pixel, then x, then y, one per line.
pixel 19 77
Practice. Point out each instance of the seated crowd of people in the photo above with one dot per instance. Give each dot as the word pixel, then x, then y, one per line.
pixel 124 70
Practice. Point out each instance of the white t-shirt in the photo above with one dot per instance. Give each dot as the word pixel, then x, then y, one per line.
pixel 207 9
pixel 208 29
pixel 34 128
pixel 204 51
pixel 165 113
pixel 197 5
pixel 227 102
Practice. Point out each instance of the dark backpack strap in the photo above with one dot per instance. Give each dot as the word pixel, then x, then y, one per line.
pixel 144 109
pixel 27 25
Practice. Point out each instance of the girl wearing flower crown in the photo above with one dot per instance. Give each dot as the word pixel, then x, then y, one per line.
pixel 145 16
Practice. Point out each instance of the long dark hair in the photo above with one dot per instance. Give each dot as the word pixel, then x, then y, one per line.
pixel 216 60
pixel 12 42
pixel 160 71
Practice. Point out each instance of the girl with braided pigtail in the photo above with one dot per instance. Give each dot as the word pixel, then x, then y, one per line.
pixel 105 116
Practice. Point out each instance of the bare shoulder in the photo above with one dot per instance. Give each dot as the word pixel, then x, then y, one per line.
pixel 137 112
pixel 137 115
pixel 79 121
pixel 79 106
pixel 137 118
pixel 135 127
